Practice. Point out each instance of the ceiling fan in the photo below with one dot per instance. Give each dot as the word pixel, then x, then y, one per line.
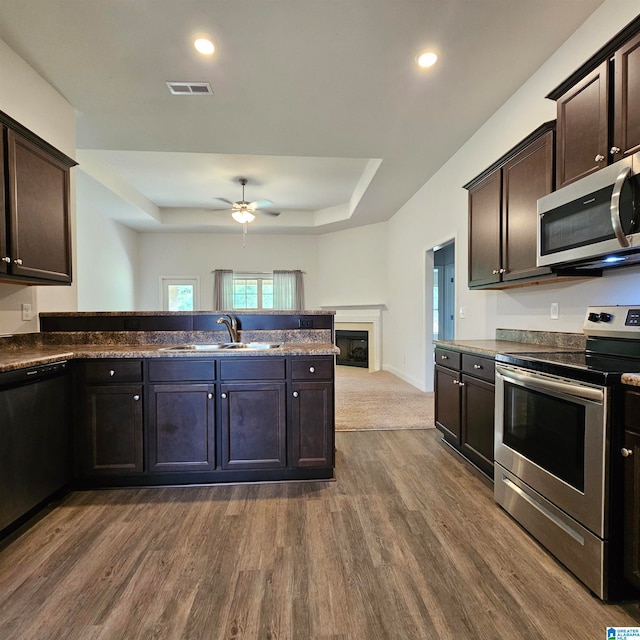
pixel 243 211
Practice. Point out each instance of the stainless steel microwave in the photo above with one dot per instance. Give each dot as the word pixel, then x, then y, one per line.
pixel 594 222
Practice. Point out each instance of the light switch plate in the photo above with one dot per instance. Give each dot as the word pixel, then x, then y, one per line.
pixel 554 314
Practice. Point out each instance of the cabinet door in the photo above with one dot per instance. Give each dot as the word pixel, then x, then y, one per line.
pixel 583 117
pixel 626 122
pixel 478 400
pixel 484 230
pixel 4 250
pixel 447 403
pixel 38 201
pixel 632 509
pixel 312 425
pixel 111 438
pixel 180 427
pixel 253 425
pixel 525 178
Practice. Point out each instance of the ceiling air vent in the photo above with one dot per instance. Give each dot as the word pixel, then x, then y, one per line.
pixel 190 88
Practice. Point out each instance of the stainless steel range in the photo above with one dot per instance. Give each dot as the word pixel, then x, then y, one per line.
pixel 559 434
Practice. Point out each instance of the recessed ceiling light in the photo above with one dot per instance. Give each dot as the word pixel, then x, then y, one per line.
pixel 204 46
pixel 427 59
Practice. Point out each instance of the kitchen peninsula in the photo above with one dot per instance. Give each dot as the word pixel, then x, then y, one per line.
pixel 138 409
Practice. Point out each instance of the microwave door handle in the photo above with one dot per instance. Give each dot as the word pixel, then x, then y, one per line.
pixel 616 223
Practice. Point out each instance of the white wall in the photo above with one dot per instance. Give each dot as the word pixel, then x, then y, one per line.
pixel 438 212
pixel 193 254
pixel 27 98
pixel 352 266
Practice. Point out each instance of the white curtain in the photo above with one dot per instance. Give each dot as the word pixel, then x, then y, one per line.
pixel 288 290
pixel 223 289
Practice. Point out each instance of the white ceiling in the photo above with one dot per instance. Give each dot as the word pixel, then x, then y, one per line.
pixel 319 103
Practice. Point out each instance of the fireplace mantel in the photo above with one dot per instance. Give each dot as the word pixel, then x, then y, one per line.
pixel 370 314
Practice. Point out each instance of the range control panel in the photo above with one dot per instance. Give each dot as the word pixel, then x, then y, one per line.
pixel 613 322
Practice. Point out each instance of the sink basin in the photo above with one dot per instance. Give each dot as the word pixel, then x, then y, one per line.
pixel 221 346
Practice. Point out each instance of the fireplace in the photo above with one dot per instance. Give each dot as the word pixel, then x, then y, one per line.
pixel 354 348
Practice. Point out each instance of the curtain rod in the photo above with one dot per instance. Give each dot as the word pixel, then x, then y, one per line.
pixel 260 273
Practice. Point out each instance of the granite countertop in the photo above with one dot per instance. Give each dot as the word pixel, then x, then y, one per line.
pixel 491 348
pixel 30 356
pixel 632 379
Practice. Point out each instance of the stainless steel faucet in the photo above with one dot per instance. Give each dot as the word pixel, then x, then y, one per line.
pixel 232 326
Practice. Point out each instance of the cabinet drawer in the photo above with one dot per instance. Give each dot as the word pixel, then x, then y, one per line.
pixel 478 366
pixel 252 368
pixel 101 371
pixel 632 410
pixel 181 369
pixel 448 358
pixel 312 369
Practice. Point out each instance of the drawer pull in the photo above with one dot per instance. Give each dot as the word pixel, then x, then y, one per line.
pixel 224 396
pixel 136 397
pixel 477 366
pixel 456 382
pixel 626 452
pixel 210 396
pixel 444 357
pixel 295 394
pixel 112 372
pixel 312 369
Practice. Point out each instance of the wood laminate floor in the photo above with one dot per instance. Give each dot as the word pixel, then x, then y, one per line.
pixel 407 544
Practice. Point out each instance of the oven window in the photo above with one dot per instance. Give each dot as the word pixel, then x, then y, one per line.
pixel 547 430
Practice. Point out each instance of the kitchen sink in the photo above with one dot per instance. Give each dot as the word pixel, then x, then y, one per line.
pixel 223 346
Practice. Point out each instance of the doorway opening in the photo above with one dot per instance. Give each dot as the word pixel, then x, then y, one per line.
pixel 444 269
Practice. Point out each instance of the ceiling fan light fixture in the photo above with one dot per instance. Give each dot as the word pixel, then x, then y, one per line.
pixel 243 217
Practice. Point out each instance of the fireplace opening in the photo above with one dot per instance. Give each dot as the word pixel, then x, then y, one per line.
pixel 354 348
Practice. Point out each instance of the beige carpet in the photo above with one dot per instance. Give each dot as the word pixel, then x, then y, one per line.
pixel 379 400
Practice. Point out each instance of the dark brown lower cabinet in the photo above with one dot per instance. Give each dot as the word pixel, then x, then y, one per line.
pixel 312 425
pixel 181 427
pixel 464 405
pixel 253 425
pixel 632 488
pixel 111 436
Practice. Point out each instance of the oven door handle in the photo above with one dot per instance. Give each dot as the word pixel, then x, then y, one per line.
pixel 533 381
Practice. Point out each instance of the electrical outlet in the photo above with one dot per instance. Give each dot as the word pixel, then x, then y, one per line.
pixel 306 323
pixel 27 313
pixel 555 311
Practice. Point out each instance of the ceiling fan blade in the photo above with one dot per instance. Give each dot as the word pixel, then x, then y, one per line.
pixel 271 213
pixel 225 200
pixel 259 204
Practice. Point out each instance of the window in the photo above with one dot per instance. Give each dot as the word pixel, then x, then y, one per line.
pixel 179 294
pixel 252 292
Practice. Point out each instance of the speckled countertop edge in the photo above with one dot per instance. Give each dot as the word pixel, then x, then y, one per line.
pixel 30 356
pixel 632 379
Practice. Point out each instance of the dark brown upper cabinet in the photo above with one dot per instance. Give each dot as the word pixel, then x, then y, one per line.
pixel 598 109
pixel 35 230
pixel 503 214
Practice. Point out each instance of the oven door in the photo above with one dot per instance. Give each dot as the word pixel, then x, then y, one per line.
pixel 551 433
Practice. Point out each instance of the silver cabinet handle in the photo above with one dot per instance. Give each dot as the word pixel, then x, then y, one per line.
pixel 614 150
pixel 312 369
pixel 18 261
pixel 461 384
pixel 599 158
pixel 444 357
pixel 112 372
pixel 495 272
pixel 223 396
pixel 295 394
pixel 456 382
pixel 6 259
pixel 477 366
pixel 136 397
pixel 615 207
pixel 210 396
pixel 502 271
pixel 626 452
